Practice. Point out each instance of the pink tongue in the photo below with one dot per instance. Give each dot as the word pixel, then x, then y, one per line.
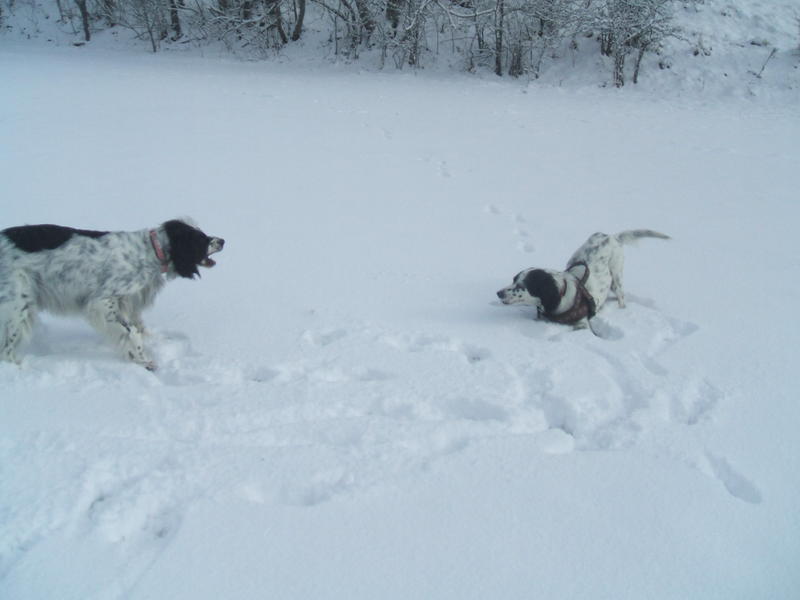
pixel 207 262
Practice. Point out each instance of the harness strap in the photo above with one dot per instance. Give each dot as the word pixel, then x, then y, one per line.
pixel 160 254
pixel 583 279
pixel 583 306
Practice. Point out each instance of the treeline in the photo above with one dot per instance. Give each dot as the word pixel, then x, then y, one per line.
pixel 513 37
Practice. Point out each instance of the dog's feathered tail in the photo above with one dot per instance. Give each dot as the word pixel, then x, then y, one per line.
pixel 629 237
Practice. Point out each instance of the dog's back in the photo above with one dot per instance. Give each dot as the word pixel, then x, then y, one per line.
pixel 603 255
pixel 601 248
pixel 66 268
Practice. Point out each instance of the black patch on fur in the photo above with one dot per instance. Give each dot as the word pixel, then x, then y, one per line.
pixel 188 247
pixel 542 285
pixel 35 238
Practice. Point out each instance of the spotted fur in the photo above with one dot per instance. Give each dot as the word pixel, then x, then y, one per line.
pixel 553 293
pixel 108 277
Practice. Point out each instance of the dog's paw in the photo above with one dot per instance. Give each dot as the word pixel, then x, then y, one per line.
pixel 148 364
pixel 10 357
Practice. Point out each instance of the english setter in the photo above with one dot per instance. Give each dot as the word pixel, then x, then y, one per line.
pixel 574 296
pixel 109 277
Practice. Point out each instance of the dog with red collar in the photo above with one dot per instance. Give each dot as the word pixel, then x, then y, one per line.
pixel 109 277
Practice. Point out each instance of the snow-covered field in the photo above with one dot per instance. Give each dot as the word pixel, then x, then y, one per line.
pixel 342 409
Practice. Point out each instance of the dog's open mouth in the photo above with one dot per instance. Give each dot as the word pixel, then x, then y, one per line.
pixel 215 246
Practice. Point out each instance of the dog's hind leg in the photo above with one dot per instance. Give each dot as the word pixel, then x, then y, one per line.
pixel 17 313
pixel 616 287
pixel 108 317
pixel 615 267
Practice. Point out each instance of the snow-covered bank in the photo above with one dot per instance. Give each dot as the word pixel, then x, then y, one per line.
pixel 713 49
pixel 341 410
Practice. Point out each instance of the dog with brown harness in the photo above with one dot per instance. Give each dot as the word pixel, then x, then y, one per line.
pixel 573 297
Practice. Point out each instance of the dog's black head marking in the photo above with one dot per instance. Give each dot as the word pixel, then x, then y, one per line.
pixel 35 238
pixel 189 248
pixel 541 284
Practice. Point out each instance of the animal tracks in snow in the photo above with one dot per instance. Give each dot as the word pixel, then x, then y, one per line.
pixel 325 337
pixel 580 392
pixel 519 228
pixel 735 483
pixel 351 408
pixel 143 505
pixel 355 405
pixel 438 343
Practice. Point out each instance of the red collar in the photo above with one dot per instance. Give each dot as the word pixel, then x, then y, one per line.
pixel 162 258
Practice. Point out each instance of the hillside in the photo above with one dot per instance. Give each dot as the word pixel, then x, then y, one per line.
pixel 714 48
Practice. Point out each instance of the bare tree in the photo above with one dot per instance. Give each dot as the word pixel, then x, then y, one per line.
pixel 499 21
pixel 628 25
pixel 175 18
pixel 87 34
pixel 513 37
pixel 298 24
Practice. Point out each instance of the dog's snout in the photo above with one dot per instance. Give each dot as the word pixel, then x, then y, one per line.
pixel 501 294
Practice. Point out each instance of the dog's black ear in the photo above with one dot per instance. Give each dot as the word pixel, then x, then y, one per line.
pixel 188 246
pixel 542 285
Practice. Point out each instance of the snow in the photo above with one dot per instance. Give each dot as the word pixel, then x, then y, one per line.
pixel 342 409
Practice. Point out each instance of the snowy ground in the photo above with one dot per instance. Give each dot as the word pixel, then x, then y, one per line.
pixel 342 410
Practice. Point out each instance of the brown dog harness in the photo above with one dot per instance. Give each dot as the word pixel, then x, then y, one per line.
pixel 583 306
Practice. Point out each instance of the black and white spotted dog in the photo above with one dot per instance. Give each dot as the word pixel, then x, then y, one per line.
pixel 574 296
pixel 108 276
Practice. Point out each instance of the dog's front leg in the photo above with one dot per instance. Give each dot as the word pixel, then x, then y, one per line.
pixel 136 320
pixel 582 324
pixel 17 314
pixel 109 318
pixel 132 314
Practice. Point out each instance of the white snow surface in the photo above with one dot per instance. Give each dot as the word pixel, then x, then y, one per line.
pixel 342 409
